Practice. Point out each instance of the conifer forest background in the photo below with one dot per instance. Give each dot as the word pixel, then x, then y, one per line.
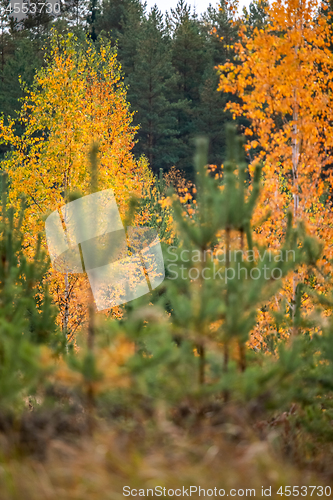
pixel 214 132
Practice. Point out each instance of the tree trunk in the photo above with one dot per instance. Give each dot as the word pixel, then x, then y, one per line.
pixel 295 158
pixel 66 311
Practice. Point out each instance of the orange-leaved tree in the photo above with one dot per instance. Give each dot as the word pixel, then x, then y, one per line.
pixel 77 99
pixel 283 77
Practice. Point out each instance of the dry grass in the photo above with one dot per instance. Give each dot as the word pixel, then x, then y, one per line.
pixel 144 453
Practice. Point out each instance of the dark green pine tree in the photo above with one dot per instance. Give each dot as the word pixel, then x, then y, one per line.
pixel 130 37
pixel 255 15
pixel 210 117
pixel 21 55
pixel 231 288
pixel 120 20
pixel 27 316
pixel 188 51
pixel 75 14
pixel 222 31
pixel 149 94
pixel 221 35
pixel 189 60
pixel 4 27
pixel 37 23
pixel 22 63
pixel 93 11
pixel 25 301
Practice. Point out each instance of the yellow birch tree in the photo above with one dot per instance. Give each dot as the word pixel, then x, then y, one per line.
pixel 77 99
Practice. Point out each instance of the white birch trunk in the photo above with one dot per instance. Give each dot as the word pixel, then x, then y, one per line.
pixel 295 159
pixel 66 309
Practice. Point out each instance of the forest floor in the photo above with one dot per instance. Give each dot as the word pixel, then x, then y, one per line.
pixel 63 455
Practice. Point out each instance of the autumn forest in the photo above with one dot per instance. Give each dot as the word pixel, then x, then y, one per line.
pixel 166 250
